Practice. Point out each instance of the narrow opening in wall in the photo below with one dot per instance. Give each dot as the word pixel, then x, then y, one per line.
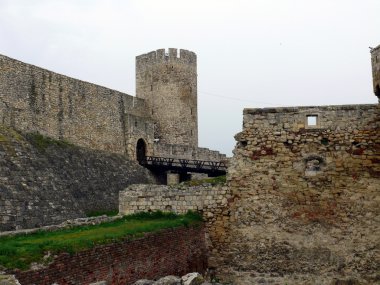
pixel 325 141
pixel 191 111
pixel 312 120
pixel 191 132
pixel 377 90
pixel 152 111
pixel 191 90
pixel 135 123
pixel 151 87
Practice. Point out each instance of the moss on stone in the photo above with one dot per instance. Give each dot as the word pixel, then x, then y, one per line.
pixel 42 142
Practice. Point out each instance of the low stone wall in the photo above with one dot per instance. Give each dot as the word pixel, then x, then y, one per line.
pixel 211 201
pixel 177 198
pixel 168 252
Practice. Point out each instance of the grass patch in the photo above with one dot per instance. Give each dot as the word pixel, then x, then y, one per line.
pixel 109 213
pixel 21 250
pixel 42 142
pixel 212 180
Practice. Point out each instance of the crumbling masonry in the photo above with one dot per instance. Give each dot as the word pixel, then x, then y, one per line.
pixel 302 201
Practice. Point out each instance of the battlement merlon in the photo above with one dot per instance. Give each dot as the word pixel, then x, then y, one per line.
pixel 159 56
pixel 375 49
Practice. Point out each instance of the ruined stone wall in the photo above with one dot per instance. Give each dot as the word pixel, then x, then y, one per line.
pixel 305 197
pixel 33 99
pixel 375 58
pixel 211 201
pixel 168 83
pixel 47 182
pixel 167 252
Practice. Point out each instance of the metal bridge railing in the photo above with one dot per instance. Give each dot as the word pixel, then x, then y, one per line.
pixel 184 164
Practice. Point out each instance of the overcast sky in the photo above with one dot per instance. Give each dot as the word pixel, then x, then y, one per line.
pixel 251 53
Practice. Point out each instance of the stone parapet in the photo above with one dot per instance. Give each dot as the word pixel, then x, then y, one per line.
pixel 187 152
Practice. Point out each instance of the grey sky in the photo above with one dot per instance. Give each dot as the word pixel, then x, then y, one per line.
pixel 254 53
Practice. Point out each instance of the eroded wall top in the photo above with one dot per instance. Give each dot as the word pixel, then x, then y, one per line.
pixel 375 57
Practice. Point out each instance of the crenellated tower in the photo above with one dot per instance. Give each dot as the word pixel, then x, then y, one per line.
pixel 375 58
pixel 167 81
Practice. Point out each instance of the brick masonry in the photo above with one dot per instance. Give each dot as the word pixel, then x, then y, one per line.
pixel 168 252
pixel 210 201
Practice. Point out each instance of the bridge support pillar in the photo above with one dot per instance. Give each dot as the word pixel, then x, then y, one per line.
pixel 172 178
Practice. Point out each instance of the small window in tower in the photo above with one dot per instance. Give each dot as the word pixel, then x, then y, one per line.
pixel 312 120
pixel 191 111
pixel 151 87
pixel 191 132
pixel 152 112
pixel 135 123
pixel 191 90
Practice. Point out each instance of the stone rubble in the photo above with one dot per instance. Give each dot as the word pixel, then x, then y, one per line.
pixel 193 278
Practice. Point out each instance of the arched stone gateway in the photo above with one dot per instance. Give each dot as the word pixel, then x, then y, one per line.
pixel 141 151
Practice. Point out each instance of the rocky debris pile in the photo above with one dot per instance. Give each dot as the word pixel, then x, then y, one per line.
pixel 8 279
pixel 188 279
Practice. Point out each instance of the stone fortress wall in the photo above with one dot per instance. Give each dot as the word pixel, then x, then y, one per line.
pixel 302 203
pixel 168 84
pixel 33 99
pixel 47 185
pixel 375 57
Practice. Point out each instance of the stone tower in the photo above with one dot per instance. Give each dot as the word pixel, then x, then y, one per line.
pixel 168 84
pixel 375 57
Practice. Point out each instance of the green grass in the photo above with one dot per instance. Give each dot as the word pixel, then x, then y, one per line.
pixel 21 250
pixel 42 142
pixel 212 180
pixel 109 213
